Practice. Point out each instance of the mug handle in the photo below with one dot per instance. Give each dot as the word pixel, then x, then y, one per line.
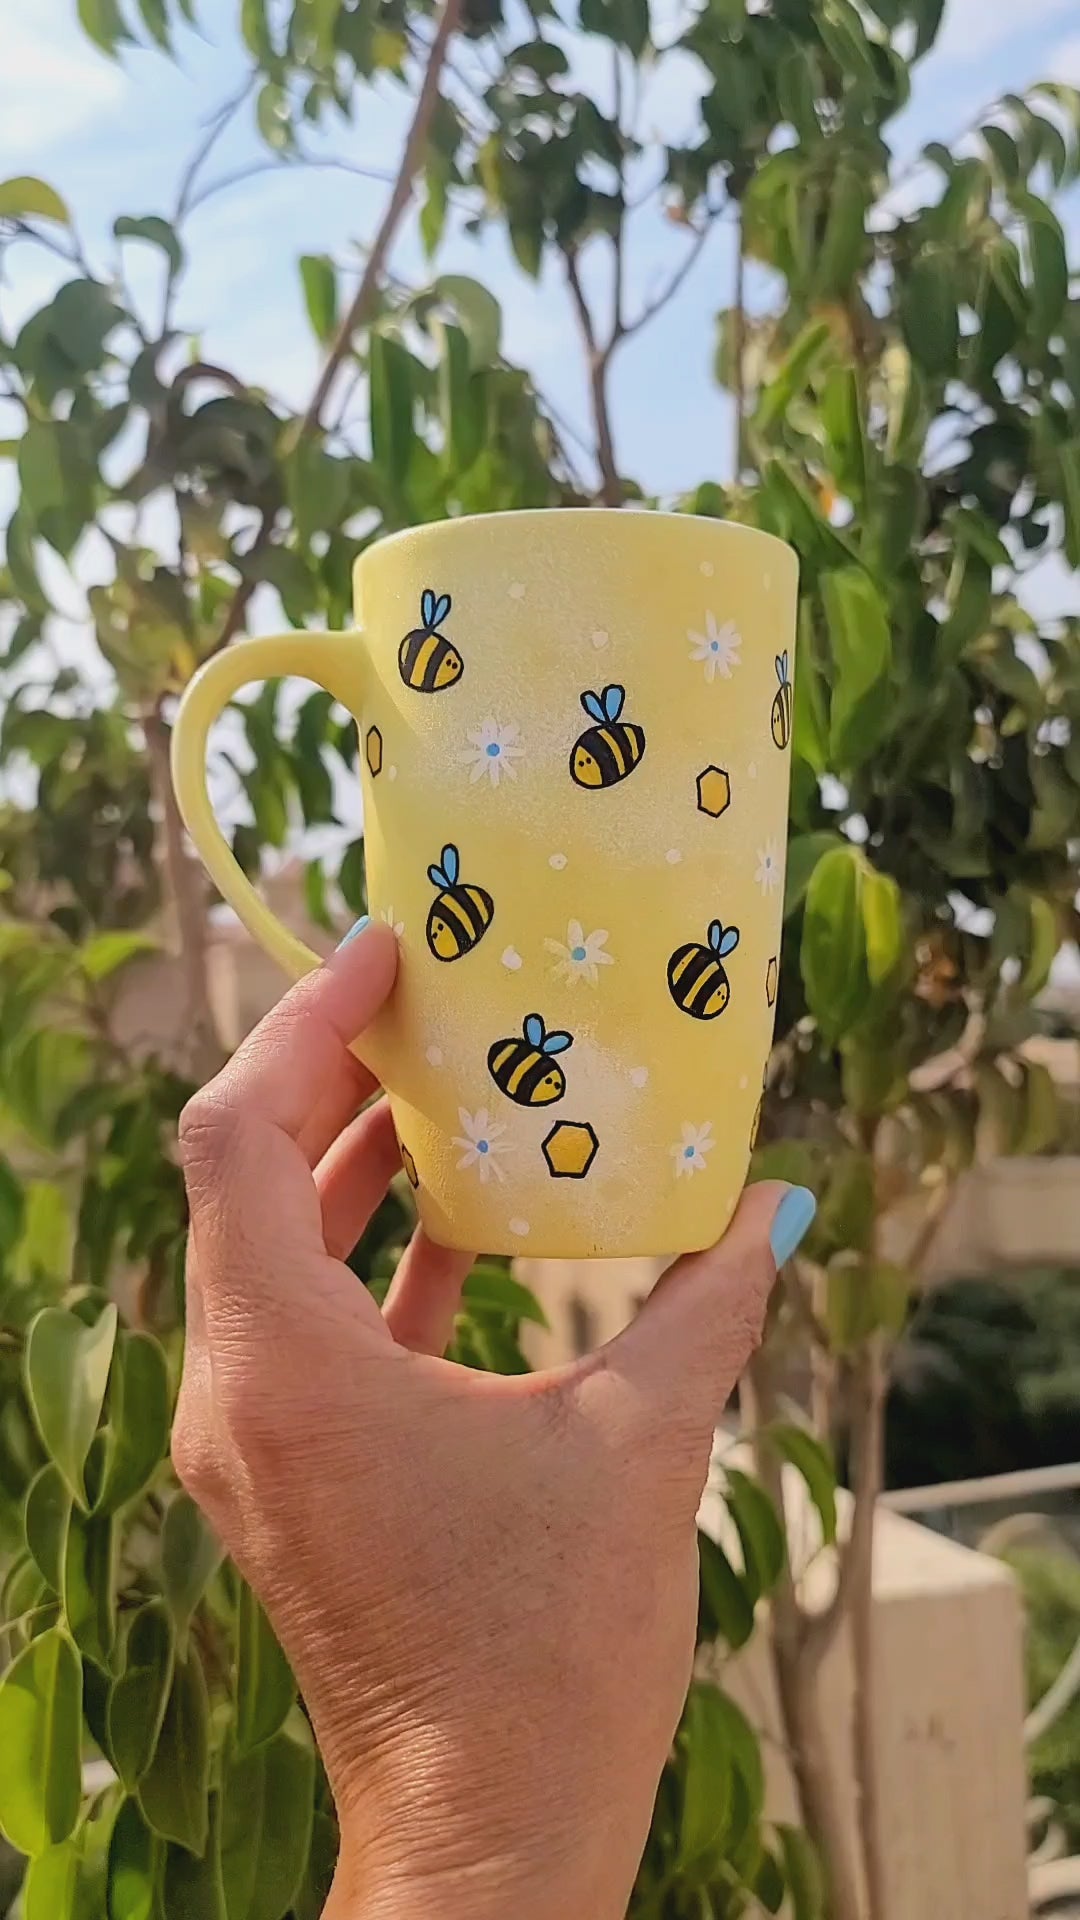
pixel 327 658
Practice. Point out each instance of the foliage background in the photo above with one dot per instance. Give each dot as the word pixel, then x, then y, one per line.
pixel 902 369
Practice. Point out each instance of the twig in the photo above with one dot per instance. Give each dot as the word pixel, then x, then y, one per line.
pixel 256 167
pixel 738 344
pixel 186 886
pixel 182 208
pixel 869 1438
pixel 660 300
pixel 618 263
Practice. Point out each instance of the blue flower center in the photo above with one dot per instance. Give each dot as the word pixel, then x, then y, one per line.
pixel 577 953
pixel 492 749
pixel 688 1153
pixel 482 1146
pixel 714 646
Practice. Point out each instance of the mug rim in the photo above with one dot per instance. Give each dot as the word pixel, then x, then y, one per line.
pixel 628 514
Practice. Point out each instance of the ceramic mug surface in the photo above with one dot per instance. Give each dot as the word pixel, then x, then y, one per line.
pixel 575 747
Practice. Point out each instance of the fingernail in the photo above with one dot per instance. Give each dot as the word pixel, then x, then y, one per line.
pixel 791 1223
pixel 357 927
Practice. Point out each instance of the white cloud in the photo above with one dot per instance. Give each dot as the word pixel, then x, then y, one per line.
pixel 53 84
pixel 1064 61
pixel 974 28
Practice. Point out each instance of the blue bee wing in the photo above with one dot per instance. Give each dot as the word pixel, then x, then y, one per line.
pixel 613 702
pixel 592 706
pixel 534 1029
pixel 558 1042
pixel 440 610
pixel 780 668
pixel 729 942
pixel 427 607
pixel 437 877
pixel 451 864
pixel 716 931
pixel 785 664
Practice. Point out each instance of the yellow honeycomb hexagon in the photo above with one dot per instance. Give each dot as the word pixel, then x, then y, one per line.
pixel 771 974
pixel 409 1165
pixel 373 749
pixel 570 1149
pixel 713 791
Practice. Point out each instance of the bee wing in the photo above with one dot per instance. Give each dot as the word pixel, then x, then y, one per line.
pixel 613 699
pixel 716 934
pixel 593 707
pixel 533 1029
pixel 729 942
pixel 440 609
pixel 427 607
pixel 557 1042
pixel 450 864
pixel 780 668
pixel 785 665
pixel 437 877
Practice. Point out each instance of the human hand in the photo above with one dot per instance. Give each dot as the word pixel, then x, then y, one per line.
pixel 487 1587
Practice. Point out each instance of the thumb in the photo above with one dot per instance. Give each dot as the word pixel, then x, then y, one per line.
pixel 683 1353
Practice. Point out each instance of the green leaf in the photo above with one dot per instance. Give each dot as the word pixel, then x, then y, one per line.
pixel 802 1873
pixel 156 232
pixel 45 1522
pixel 760 1533
pixel 273 117
pixel 138 1697
pixel 862 703
pixel 190 1555
pixel 40 1743
pixel 804 852
pixel 1069 469
pixel 174 1791
pixel 351 878
pixel 51 1886
pixel 391 383
pixel 25 197
pixel 105 953
pixel 833 949
pixel 707 1789
pixel 89 1595
pixel 842 419
pixel 928 313
pixel 883 925
pixel 1044 941
pixel 792 374
pixel 67 1370
pixel 320 294
pixel 193 1888
pixel 156 21
pixel 460 402
pixel 137 1419
pixel 12 1206
pixel 807 1455
pixel 492 1289
pixel 726 1607
pixel 136 1859
pixel 255 29
pixel 265 1689
pixel 1049 262
pixel 103 22
pixel 478 312
pixel 267 1824
pixel 81 319
pixel 317 486
pixel 311 1898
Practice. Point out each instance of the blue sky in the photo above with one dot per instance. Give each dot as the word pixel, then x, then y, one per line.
pixel 113 138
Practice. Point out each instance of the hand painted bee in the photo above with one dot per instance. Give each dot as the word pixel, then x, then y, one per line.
pixel 459 915
pixel 696 977
pixel 524 1069
pixel 427 660
pixel 781 706
pixel 611 749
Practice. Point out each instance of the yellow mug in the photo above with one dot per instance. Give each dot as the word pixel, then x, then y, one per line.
pixel 575 737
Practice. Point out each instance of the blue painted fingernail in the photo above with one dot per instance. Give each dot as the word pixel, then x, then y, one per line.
pixel 357 927
pixel 791 1223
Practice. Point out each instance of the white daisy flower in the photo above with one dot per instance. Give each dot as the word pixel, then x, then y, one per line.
pixel 492 752
pixel 397 927
pixel 481 1138
pixel 690 1153
pixel 581 955
pixel 717 647
pixel 770 867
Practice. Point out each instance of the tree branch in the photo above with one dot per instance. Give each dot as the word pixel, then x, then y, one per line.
pixel 869 1439
pixel 660 300
pixel 359 310
pixel 738 348
pixel 186 885
pixel 256 167
pixel 611 492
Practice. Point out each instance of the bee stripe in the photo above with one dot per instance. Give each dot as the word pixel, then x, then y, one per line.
pixel 483 906
pixel 682 963
pixel 610 738
pixel 704 988
pixel 456 905
pixel 699 968
pixel 500 1057
pixel 429 656
pixel 636 739
pixel 525 1069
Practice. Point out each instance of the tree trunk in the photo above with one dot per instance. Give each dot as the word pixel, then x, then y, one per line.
pixel 185 889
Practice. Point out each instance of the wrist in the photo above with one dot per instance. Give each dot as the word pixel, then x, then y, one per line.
pixel 368 1886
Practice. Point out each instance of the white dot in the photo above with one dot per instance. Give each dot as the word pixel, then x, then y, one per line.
pixel 673 856
pixel 391 773
pixel 708 569
pixel 600 638
pixel 744 1082
pixel 558 861
pixel 435 1056
pixel 511 959
pixel 519 1227
pixel 639 1076
pixel 752 769
pixel 516 590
